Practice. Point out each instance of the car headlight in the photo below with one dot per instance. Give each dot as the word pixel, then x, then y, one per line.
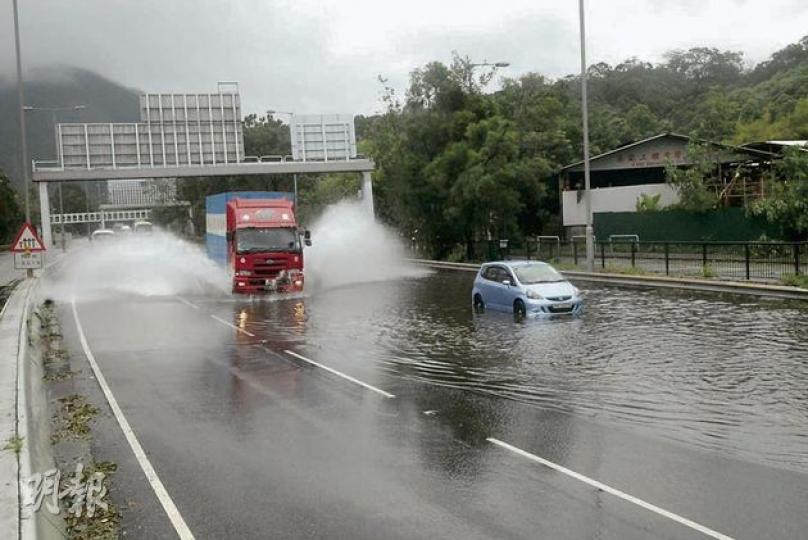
pixel 533 295
pixel 243 273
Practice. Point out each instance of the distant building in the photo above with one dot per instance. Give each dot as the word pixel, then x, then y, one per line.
pixel 620 176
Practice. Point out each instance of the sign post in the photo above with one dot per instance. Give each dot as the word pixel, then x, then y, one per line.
pixel 28 250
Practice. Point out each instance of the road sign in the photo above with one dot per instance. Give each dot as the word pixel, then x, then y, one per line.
pixel 27 260
pixel 27 241
pixel 323 137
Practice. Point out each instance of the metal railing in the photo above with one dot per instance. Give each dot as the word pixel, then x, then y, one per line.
pixel 766 261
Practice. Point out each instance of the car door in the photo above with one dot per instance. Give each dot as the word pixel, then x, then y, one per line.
pixel 507 292
pixel 499 291
pixel 486 285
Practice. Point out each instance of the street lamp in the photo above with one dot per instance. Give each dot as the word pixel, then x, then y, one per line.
pixel 271 112
pixel 54 111
pixel 492 64
pixel 590 244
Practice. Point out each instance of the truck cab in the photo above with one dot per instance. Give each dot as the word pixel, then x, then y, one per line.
pixel 262 243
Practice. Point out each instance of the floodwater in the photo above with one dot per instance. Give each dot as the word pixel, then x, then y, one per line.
pixel 709 371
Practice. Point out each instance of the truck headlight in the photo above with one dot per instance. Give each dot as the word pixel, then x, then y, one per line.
pixel 533 295
pixel 244 273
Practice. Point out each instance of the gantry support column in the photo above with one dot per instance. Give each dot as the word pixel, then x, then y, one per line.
pixel 367 193
pixel 44 213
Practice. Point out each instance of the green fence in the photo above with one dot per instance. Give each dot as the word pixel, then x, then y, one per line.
pixel 725 225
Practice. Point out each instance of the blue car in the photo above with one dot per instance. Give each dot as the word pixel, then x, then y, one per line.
pixel 524 288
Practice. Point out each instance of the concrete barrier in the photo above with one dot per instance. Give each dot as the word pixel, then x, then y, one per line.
pixel 25 419
pixel 733 287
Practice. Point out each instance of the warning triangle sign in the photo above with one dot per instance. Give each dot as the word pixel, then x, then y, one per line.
pixel 27 240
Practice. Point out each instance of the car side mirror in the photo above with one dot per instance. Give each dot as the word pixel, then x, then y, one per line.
pixel 506 282
pixel 307 237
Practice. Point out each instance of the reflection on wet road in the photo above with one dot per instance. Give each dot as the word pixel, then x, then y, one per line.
pixel 694 404
pixel 703 371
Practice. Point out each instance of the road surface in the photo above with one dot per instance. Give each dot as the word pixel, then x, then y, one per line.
pixel 389 410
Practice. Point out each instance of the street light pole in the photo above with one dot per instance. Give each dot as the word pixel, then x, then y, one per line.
pixel 21 105
pixel 590 244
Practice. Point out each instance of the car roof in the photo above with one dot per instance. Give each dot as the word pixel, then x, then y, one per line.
pixel 516 264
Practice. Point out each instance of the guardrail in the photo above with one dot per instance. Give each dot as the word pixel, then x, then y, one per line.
pixel 728 260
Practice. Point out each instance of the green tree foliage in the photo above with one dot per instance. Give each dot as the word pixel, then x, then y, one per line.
pixel 689 182
pixel 10 214
pixel 263 136
pixel 456 164
pixel 786 203
pixel 648 203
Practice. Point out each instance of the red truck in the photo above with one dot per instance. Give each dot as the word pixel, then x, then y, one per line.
pixel 255 234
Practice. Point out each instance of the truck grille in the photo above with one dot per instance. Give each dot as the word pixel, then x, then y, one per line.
pixel 268 270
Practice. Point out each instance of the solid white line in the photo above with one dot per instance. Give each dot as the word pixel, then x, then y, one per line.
pixel 233 326
pixel 616 492
pixel 151 475
pixel 340 374
pixel 187 303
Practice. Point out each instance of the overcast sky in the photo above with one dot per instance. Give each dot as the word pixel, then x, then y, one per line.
pixel 312 56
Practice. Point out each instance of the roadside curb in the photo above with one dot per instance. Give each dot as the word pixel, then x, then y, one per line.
pixel 25 418
pixel 734 287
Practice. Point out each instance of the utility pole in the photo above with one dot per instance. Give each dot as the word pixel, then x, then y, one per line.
pixel 590 243
pixel 21 111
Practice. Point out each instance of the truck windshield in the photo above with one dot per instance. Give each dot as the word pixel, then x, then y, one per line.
pixel 255 240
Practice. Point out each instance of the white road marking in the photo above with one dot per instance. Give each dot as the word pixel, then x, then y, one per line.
pixel 233 326
pixel 616 492
pixel 343 375
pixel 151 475
pixel 187 303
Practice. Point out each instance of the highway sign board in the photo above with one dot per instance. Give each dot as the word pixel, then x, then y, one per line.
pixel 323 137
pixel 27 241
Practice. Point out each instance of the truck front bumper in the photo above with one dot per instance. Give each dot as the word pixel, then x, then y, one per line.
pixel 260 285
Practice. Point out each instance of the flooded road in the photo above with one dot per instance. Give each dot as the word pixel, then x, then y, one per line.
pixel 702 370
pixel 377 410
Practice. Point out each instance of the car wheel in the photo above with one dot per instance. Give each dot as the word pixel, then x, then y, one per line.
pixel 519 309
pixel 479 305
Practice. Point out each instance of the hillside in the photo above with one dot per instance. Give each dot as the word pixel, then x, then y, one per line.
pixel 105 101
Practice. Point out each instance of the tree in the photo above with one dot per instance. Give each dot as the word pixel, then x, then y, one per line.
pixel 689 182
pixel 706 66
pixel 786 203
pixel 10 214
pixel 648 203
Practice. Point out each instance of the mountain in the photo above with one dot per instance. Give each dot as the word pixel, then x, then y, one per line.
pixel 62 86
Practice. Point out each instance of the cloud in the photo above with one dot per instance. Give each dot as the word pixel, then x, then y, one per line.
pixel 325 55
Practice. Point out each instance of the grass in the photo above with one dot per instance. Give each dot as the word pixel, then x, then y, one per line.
pixel 628 270
pixel 74 418
pixel 14 444
pixel 795 280
pixel 104 524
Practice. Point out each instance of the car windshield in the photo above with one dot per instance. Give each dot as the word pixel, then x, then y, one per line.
pixel 266 239
pixel 537 273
